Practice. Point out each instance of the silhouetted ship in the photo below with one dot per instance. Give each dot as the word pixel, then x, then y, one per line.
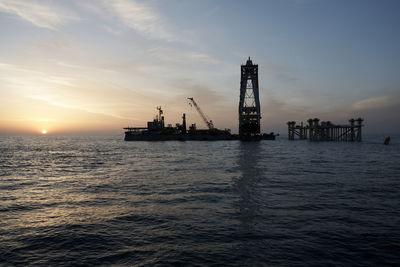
pixel 157 131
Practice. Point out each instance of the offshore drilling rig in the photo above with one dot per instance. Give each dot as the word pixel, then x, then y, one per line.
pixel 249 103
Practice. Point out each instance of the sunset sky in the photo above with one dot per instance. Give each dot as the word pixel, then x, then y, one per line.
pixel 93 67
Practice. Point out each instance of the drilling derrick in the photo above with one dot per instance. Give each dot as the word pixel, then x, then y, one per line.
pixel 249 104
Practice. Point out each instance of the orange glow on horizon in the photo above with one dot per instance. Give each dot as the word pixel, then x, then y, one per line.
pixel 44 131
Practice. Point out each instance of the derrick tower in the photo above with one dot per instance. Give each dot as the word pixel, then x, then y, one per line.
pixel 249 104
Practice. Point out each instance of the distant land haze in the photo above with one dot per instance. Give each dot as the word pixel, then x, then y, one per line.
pixel 93 67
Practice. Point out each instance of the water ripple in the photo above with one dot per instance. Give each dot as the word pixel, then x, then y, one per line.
pixel 71 201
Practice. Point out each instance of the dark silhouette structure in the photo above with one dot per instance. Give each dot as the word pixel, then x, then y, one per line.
pixel 249 104
pixel 156 130
pixel 326 130
pixel 207 121
pixel 387 141
pixel 249 118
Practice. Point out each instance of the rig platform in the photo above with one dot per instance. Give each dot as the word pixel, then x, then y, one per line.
pixel 326 130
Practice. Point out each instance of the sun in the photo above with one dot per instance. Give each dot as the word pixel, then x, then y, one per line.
pixel 44 131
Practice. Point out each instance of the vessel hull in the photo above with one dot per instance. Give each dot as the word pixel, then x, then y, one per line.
pixel 176 137
pixel 197 137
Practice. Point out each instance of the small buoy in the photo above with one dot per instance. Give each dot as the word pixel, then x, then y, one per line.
pixel 387 140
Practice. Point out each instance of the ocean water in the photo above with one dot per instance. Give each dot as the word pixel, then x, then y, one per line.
pixel 73 201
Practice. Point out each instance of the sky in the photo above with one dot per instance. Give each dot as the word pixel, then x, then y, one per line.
pixel 96 66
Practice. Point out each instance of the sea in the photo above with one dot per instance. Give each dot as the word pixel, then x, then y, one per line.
pixel 101 201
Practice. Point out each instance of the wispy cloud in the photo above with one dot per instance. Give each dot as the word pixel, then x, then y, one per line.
pixel 38 13
pixel 63 93
pixel 203 58
pixel 51 101
pixel 377 102
pixel 173 55
pixel 140 18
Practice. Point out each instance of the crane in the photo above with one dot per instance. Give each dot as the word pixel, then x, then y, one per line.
pixel 204 117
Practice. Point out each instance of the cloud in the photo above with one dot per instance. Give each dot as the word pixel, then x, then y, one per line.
pixel 203 58
pixel 174 56
pixel 377 102
pixel 280 72
pixel 62 91
pixel 53 102
pixel 39 14
pixel 188 88
pixel 380 113
pixel 140 18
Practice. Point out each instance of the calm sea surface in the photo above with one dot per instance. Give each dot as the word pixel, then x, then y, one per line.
pixel 102 201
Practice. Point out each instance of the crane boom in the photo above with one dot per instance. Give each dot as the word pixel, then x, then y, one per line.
pixel 203 116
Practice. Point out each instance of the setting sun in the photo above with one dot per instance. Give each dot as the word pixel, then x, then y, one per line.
pixel 44 131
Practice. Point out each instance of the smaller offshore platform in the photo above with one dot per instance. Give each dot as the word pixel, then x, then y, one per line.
pixel 326 130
